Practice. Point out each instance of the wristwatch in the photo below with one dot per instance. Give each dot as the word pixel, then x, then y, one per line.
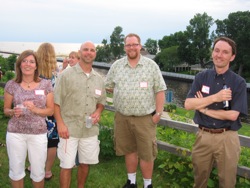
pixel 158 113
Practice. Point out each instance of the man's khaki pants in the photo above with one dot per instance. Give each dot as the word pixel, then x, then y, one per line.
pixel 223 149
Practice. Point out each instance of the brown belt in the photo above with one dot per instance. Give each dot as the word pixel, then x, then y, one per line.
pixel 214 131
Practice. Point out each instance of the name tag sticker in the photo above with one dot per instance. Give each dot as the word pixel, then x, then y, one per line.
pixel 143 84
pixel 39 92
pixel 98 92
pixel 205 89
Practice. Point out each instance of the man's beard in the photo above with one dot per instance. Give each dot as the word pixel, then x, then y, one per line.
pixel 133 55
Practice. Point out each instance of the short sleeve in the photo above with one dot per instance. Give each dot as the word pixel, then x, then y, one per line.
pixel 49 87
pixel 10 87
pixel 159 84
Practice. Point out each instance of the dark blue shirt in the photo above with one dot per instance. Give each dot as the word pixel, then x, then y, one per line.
pixel 209 83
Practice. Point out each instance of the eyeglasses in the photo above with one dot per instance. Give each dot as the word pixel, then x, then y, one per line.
pixel 131 45
pixel 28 61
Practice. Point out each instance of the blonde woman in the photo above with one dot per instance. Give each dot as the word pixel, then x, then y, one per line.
pixel 73 59
pixel 48 69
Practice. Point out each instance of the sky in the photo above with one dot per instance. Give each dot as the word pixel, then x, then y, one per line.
pixel 77 21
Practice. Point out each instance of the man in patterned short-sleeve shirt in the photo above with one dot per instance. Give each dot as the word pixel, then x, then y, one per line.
pixel 79 94
pixel 138 95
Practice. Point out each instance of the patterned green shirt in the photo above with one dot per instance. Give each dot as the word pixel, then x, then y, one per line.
pixel 77 95
pixel 135 88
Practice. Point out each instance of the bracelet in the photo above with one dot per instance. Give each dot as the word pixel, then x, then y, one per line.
pixel 205 111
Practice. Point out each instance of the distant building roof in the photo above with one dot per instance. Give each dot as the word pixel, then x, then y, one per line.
pixel 145 53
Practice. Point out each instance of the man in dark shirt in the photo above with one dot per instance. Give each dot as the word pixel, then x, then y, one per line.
pixel 217 140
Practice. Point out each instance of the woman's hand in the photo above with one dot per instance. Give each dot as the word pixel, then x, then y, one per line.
pixel 19 110
pixel 30 106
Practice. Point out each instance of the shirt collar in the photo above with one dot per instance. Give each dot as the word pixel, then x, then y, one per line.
pixel 140 62
pixel 80 71
pixel 224 75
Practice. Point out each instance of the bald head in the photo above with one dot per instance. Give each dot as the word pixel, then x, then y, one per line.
pixel 87 52
pixel 87 44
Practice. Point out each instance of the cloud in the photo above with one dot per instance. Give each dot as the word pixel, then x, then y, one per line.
pixel 78 20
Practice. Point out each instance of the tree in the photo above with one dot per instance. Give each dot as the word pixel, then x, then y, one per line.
pixel 186 51
pixel 170 52
pixel 172 40
pixel 103 52
pixel 8 64
pixel 197 41
pixel 151 46
pixel 168 58
pixel 109 52
pixel 236 27
pixel 116 42
pixel 11 60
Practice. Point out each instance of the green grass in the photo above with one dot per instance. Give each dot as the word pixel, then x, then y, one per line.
pixel 108 173
pixel 245 129
pixel 111 172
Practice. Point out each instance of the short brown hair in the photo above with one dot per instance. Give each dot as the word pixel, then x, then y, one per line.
pixel 229 41
pixel 132 35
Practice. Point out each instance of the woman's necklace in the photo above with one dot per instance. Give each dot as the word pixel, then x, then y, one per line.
pixel 28 83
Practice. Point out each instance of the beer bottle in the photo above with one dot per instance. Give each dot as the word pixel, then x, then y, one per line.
pixel 226 104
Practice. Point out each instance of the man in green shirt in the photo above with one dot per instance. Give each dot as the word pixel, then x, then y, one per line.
pixel 79 95
pixel 139 96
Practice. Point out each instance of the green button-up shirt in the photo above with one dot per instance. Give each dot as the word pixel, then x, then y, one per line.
pixel 135 88
pixel 77 95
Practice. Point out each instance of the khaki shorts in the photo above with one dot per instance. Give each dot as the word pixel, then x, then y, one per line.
pixel 135 134
pixel 88 151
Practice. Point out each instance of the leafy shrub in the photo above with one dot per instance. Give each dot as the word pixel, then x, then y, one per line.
pixel 1 91
pixel 170 107
pixel 106 135
pixel 2 116
pixel 8 76
pixel 178 169
pixel 106 143
pixel 1 108
pixel 242 182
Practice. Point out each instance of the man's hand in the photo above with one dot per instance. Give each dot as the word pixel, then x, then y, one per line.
pixel 156 118
pixel 63 131
pixel 95 117
pixel 198 95
pixel 223 95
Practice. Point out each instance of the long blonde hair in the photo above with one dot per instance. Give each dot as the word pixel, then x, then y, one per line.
pixel 46 57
